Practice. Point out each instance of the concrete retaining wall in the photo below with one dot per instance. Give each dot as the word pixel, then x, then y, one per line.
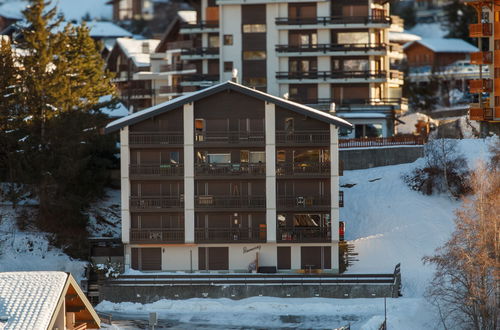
pixel 361 158
pixel 148 294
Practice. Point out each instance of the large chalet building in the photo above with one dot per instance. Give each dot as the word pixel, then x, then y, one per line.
pixel 312 52
pixel 230 178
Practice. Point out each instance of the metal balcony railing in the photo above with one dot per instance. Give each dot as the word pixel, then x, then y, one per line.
pixel 200 25
pixel 139 138
pixel 347 103
pixel 231 169
pixel 324 48
pixel 302 168
pixel 327 20
pixel 232 137
pixel 230 235
pixel 161 235
pixel 221 201
pixel 177 67
pixel 156 170
pixel 363 74
pixel 200 77
pixel 200 51
pixel 303 201
pixel 303 234
pixel 303 137
pixel 159 202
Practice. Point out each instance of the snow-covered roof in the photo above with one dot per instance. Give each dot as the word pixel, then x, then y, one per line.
pixel 442 45
pixel 228 85
pixel 361 115
pixel 187 15
pixel 12 10
pixel 134 49
pixel 29 299
pixel 106 29
pixel 402 37
pixel 429 30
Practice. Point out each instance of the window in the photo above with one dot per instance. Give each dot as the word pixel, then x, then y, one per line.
pixel 199 128
pixel 213 41
pixel 257 157
pixel 254 55
pixel 174 157
pixel 352 37
pixel 281 157
pixel 356 65
pixel 254 28
pixel 244 156
pixel 219 158
pixel 228 39
pixel 367 130
pixel 228 66
pixel 255 82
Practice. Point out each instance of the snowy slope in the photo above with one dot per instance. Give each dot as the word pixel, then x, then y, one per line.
pixel 72 9
pixel 387 222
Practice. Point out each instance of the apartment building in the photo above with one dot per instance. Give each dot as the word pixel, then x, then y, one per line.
pixel 312 52
pixel 124 10
pixel 230 178
pixel 487 31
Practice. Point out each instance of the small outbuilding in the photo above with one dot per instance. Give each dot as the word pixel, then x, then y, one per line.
pixel 437 52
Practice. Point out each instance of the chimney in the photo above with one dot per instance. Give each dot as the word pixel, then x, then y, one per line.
pixel 332 108
pixel 145 47
pixel 234 75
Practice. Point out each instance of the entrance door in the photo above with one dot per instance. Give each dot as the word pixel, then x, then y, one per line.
pixel 284 257
pixel 213 258
pixel 316 257
pixel 146 258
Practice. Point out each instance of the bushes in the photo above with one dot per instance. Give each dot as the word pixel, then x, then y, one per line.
pixel 445 170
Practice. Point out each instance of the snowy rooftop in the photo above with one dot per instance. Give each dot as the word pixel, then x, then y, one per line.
pixel 403 36
pixel 29 299
pixel 12 9
pixel 106 29
pixel 134 49
pixel 187 15
pixel 441 45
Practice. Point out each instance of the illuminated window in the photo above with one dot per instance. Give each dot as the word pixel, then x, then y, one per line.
pixel 254 55
pixel 254 28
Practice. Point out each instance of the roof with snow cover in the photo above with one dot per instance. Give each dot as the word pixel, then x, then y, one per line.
pixel 225 86
pixel 134 49
pixel 442 45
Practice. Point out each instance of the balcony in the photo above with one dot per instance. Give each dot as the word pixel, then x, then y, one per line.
pixel 480 30
pixel 156 171
pixel 477 86
pixel 199 27
pixel 177 67
pixel 230 202
pixel 138 93
pixel 345 21
pixel 304 235
pixel 379 104
pixel 230 137
pixel 333 49
pixel 154 139
pixel 230 235
pixel 155 236
pixel 480 114
pixel 303 202
pixel 396 75
pixel 156 203
pixel 481 58
pixel 334 76
pixel 200 53
pixel 232 169
pixel 303 169
pixel 179 44
pixel 199 80
pixel 303 137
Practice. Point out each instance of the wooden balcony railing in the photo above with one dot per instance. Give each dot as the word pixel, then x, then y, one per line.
pixel 480 30
pixel 302 168
pixel 159 202
pixel 381 142
pixel 232 137
pixel 326 20
pixel 149 138
pixel 162 235
pixel 480 114
pixel 324 48
pixel 304 235
pixel 477 86
pixel 156 170
pixel 232 169
pixel 480 58
pixel 212 201
pixel 396 74
pixel 230 235
pixel 324 75
pixel 303 201
pixel 303 137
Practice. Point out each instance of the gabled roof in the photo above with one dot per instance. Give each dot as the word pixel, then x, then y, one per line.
pixel 225 86
pixel 442 45
pixel 29 300
pixel 133 49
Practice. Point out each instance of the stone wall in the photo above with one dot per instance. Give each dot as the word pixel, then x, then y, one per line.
pixel 361 158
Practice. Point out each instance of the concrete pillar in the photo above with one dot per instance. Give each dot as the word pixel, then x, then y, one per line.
pixel 125 183
pixel 270 126
pixel 188 118
pixel 334 182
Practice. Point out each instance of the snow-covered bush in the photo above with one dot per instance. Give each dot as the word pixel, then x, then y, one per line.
pixel 108 269
pixel 445 170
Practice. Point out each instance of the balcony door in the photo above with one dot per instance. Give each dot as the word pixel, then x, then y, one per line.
pixel 303 38
pixel 304 93
pixel 316 257
pixel 213 258
pixel 302 66
pixel 302 10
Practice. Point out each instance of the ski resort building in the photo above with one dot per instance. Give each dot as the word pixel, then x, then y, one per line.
pixel 230 178
pixel 487 31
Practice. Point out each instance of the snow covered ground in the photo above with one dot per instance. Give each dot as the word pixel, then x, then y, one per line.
pixel 387 222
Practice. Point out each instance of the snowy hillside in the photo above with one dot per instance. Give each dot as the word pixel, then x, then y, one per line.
pixel 387 222
pixel 72 9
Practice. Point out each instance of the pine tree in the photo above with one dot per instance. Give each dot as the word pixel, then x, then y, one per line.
pixel 63 158
pixel 458 16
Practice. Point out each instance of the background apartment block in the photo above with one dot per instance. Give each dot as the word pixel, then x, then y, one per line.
pixel 487 29
pixel 212 179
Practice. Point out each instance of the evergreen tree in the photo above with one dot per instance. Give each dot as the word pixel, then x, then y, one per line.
pixel 63 158
pixel 458 16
